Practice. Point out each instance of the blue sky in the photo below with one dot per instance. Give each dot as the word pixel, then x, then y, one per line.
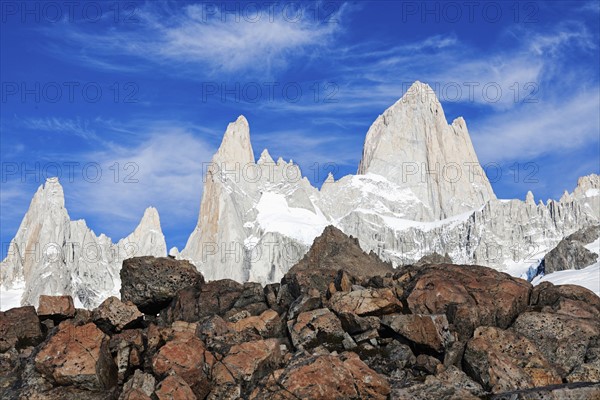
pixel 142 92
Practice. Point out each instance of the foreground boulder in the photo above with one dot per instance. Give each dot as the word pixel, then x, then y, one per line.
pixel 151 283
pixel 324 377
pixel 113 315
pixel 564 340
pixel 79 356
pixel 56 308
pixel 427 330
pixel 567 299
pixel 19 327
pixel 202 300
pixel 470 296
pixel 366 302
pixel 173 387
pixel 452 384
pixel 248 362
pixel 317 328
pixel 503 360
pixel 187 357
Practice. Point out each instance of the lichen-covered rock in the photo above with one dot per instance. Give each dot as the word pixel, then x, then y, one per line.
pixel 194 303
pixel 113 315
pixel 188 358
pixel 428 330
pixel 248 362
pixel 469 295
pixel 365 302
pixel 173 387
pixel 562 339
pixel 79 356
pixel 502 360
pixel 139 387
pixel 324 377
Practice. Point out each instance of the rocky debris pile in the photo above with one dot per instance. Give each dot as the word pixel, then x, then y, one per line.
pixel 330 331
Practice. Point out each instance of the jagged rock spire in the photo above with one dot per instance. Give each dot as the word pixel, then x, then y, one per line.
pixel 236 146
pixel 412 145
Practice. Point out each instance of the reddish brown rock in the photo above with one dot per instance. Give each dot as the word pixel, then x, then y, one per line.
pixel 19 327
pixel 325 377
pixel 174 387
pixel 504 360
pixel 266 325
pixel 563 339
pixel 571 300
pixel 316 328
pixel 469 295
pixel 113 315
pixel 429 330
pixel 78 355
pixel 188 358
pixel 365 302
pixel 56 307
pixel 248 362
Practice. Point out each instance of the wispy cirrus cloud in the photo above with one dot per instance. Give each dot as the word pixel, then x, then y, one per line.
pixel 69 126
pixel 190 36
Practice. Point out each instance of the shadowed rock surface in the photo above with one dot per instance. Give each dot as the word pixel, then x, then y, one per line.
pixel 151 283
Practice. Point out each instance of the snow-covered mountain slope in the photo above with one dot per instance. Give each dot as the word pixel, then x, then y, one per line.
pixel 257 219
pixel 51 254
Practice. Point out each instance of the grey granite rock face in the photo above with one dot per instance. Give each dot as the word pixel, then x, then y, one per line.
pixel 53 255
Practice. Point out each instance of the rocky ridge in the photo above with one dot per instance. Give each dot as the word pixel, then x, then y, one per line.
pixel 440 331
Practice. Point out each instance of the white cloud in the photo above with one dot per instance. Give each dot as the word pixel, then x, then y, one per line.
pixel 78 127
pixel 189 36
pixel 537 129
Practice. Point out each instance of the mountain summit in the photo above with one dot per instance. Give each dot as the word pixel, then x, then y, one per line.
pixel 412 145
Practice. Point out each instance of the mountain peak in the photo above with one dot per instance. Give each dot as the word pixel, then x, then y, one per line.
pixel 529 199
pixel 419 92
pixel 412 145
pixel 265 158
pixel 236 145
pixel 150 218
pixel 50 193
